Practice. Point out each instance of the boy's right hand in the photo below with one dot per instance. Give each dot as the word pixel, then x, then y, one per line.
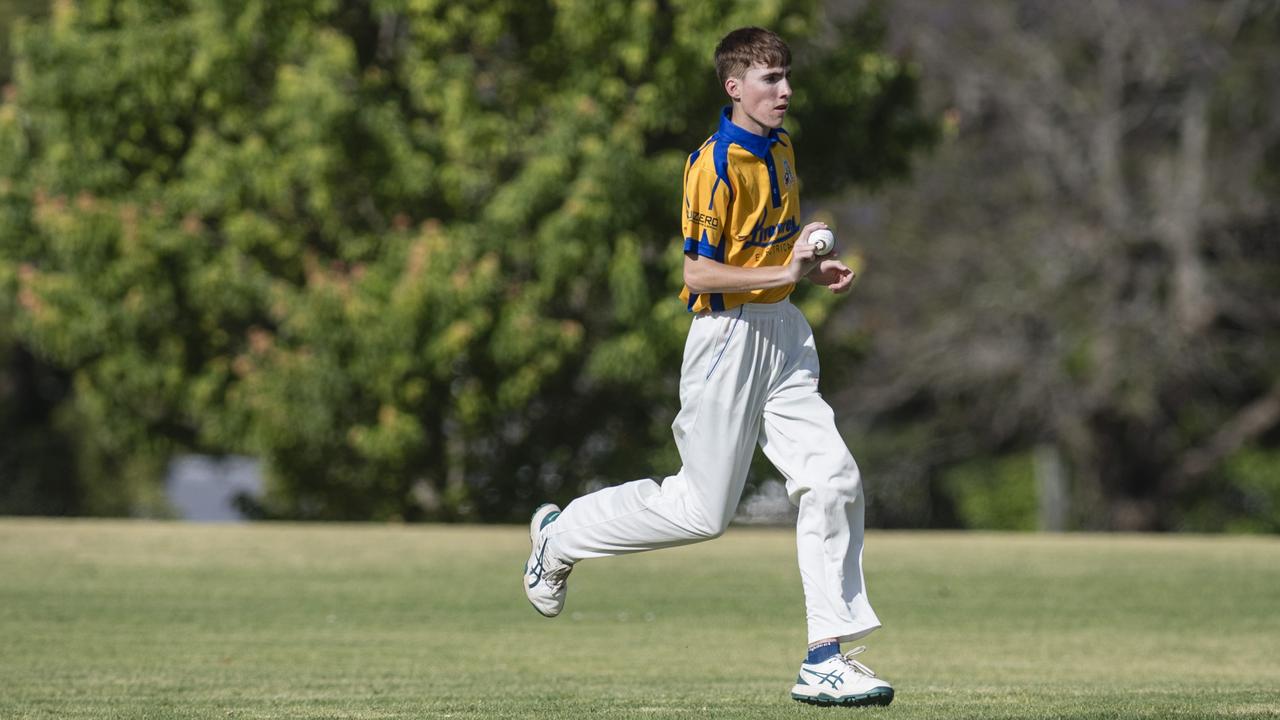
pixel 803 257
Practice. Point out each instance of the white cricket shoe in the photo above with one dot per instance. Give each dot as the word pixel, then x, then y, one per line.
pixel 544 574
pixel 841 680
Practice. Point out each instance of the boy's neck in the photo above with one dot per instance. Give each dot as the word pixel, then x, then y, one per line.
pixel 739 117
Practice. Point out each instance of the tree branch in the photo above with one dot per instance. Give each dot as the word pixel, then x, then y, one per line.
pixel 1254 419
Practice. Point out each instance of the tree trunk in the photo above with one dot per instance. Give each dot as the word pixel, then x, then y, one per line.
pixel 1192 305
pixel 1051 488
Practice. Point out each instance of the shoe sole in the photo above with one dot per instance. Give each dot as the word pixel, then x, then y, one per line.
pixel 882 696
pixel 535 524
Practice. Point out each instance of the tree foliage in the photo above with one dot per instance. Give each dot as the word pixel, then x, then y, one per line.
pixel 419 256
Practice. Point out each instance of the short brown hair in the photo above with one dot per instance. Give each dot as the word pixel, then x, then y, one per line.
pixel 744 47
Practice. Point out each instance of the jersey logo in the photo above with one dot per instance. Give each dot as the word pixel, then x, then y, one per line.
pixel 768 235
pixel 703 219
pixel 787 176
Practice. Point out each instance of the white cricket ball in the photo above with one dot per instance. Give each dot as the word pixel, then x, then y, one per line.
pixel 822 241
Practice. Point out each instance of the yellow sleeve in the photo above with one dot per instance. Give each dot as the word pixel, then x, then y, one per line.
pixel 706 208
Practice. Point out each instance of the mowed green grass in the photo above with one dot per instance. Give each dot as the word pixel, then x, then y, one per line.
pixel 164 620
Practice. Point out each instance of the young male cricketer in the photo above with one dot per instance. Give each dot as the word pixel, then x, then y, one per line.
pixel 750 374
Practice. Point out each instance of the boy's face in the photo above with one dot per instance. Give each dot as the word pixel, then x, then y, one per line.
pixel 761 97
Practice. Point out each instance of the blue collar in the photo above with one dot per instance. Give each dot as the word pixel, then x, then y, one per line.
pixel 757 145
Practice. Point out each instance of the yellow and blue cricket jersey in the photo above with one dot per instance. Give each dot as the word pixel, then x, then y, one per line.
pixel 741 207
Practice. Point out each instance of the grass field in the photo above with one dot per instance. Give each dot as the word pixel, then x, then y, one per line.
pixel 160 620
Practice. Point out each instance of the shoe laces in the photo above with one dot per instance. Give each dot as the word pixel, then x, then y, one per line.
pixel 548 570
pixel 556 576
pixel 858 667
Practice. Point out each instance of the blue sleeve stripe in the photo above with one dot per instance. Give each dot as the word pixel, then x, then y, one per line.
pixel 705 248
pixel 720 163
pixel 694 157
pixel 702 247
pixel 720 156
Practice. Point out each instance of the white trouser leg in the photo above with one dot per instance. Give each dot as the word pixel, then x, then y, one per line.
pixel 800 438
pixel 721 396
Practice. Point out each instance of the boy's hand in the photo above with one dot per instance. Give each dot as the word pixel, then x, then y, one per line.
pixel 832 274
pixel 803 259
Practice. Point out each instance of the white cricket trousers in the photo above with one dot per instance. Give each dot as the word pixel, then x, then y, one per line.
pixel 750 374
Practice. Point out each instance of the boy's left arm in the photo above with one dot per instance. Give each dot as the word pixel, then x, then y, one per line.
pixel 832 274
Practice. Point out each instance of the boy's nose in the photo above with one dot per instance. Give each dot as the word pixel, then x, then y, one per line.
pixel 784 89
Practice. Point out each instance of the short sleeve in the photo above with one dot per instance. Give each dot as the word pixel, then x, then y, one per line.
pixel 706 209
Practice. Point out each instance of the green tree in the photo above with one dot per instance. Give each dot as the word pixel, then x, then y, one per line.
pixel 36 472
pixel 13 12
pixel 418 256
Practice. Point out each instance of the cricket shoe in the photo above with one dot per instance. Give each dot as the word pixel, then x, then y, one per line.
pixel 841 680
pixel 545 574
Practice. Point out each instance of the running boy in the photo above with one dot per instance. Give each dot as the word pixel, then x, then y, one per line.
pixel 750 374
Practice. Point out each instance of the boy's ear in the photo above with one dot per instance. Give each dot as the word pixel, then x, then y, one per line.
pixel 733 86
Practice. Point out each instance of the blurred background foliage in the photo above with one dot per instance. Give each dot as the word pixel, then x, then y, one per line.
pixel 1077 297
pixel 420 257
